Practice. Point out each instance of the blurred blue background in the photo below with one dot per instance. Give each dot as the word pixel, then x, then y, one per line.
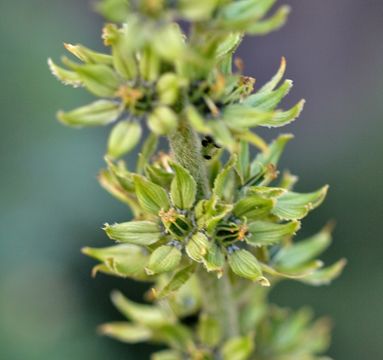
pixel 51 204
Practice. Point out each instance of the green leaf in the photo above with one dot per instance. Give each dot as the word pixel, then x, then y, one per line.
pixel 295 206
pixel 109 182
pixel 67 77
pixel 229 44
pixel 159 176
pixel 123 138
pixel 99 79
pixel 222 177
pixel 149 65
pixel 100 112
pixel 245 264
pixel 124 42
pixel 210 212
pixel 183 188
pixel 171 35
pixel 243 165
pixel 297 254
pixel 214 259
pixel 297 274
pixel 209 331
pixel 275 22
pixel 163 121
pixel 176 282
pixel 243 117
pixel 254 311
pixel 151 197
pixel 177 336
pixel 197 10
pixel 288 181
pixel 252 139
pixel 124 260
pixel 134 232
pixel 238 348
pixel 167 355
pixel 290 329
pixel 282 118
pixel 147 151
pixel 126 332
pixel 163 259
pixel 253 207
pixel 266 192
pixel 113 10
pixel 148 315
pixel 275 80
pixel 272 154
pixel 265 233
pixel 326 275
pixel 240 116
pixel 197 246
pixel 196 120
pixel 87 55
pixel 221 134
pixel 168 88
pixel 239 14
pixel 267 101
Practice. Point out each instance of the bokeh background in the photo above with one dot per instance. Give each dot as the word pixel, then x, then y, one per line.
pixel 51 204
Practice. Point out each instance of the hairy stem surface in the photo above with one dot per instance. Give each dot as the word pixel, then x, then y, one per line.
pixel 217 293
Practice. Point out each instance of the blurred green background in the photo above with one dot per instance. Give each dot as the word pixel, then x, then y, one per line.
pixel 51 204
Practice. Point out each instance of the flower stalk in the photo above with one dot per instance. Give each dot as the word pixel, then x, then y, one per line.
pixel 214 220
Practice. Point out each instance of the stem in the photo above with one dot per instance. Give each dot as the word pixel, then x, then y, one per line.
pixel 218 301
pixel 217 293
pixel 186 147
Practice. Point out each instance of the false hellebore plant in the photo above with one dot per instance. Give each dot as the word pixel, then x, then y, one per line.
pixel 213 227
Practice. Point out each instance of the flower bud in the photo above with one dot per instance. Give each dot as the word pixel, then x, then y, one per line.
pixel 176 224
pixel 170 35
pixel 209 331
pixel 125 260
pixel 165 258
pixel 100 112
pixel 214 259
pixel 67 77
pixel 88 56
pixel 123 138
pixel 139 313
pixel 197 10
pixel 245 264
pixel 168 88
pixel 134 232
pixel 124 43
pixel 183 188
pixel 239 348
pixel 152 198
pixel 197 247
pixel 162 121
pixel 126 332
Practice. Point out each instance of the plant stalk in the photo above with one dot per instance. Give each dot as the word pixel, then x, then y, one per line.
pixel 217 293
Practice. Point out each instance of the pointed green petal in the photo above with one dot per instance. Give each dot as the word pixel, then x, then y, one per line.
pixel 134 232
pixel 149 315
pixel 151 197
pixel 126 332
pixel 265 233
pixel 245 264
pixel 295 206
pixel 100 112
pixel 163 259
pixel 123 138
pixel 183 188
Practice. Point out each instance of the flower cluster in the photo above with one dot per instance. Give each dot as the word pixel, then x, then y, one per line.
pixel 209 205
